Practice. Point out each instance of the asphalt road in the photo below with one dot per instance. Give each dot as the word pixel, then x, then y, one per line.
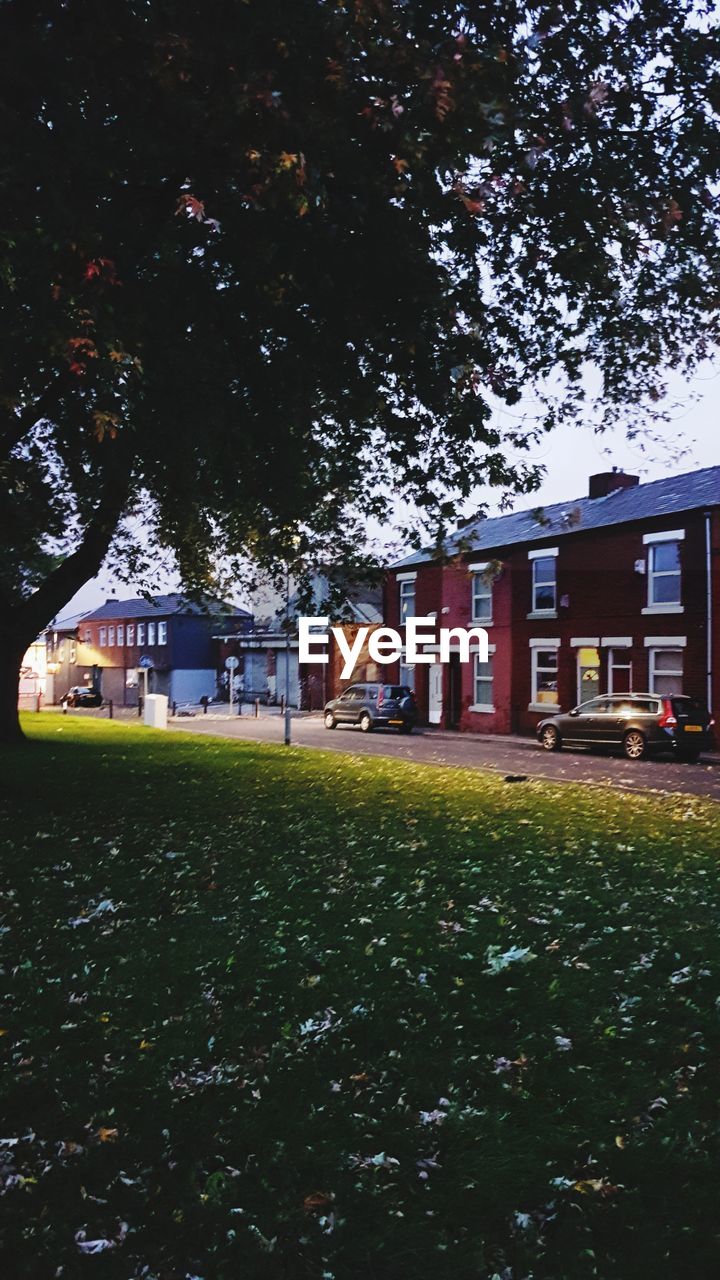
pixel 660 775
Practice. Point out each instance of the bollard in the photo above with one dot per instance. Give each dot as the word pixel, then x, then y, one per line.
pixel 64 706
pixel 240 704
pixel 257 708
pixel 110 708
pixel 205 706
pixel 38 700
pixel 140 704
pixel 282 704
pixel 174 708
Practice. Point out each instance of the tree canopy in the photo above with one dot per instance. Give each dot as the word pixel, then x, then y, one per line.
pixel 263 261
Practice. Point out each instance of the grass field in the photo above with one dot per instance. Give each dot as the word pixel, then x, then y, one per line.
pixel 278 1013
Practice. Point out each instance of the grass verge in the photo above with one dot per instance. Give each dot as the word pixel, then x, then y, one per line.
pixel 279 1013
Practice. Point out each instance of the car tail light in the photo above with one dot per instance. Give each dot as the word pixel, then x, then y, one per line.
pixel 668 719
pixel 711 722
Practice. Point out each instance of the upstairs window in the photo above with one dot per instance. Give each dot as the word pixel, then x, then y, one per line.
pixel 141 632
pixel 88 637
pixel 664 573
pixel 407 600
pixel 481 598
pixel 162 633
pixel 121 635
pixel 111 636
pixel 131 633
pixel 544 587
pixel 102 637
pixel 151 632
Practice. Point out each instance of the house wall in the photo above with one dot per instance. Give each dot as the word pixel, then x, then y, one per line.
pixel 600 595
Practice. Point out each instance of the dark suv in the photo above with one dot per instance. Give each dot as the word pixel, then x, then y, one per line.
pixel 639 723
pixel 81 696
pixel 373 706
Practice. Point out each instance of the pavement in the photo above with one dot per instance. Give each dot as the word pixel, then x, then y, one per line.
pixel 504 754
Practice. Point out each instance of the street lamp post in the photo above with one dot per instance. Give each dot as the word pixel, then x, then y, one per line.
pixel 287 653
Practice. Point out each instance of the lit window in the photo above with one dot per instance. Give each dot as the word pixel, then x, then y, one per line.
pixel 407 601
pixel 73 652
pixel 481 598
pixel 151 632
pixel 111 637
pixel 545 676
pixel 102 637
pixel 162 633
pixel 141 633
pixel 121 635
pixel 544 584
pixel 131 633
pixel 483 683
pixel 666 671
pixel 664 573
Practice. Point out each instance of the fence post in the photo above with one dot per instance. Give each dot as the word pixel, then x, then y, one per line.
pixel 110 708
pixel 38 700
pixel 174 708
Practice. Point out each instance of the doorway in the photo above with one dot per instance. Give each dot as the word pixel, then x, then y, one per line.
pixel 435 693
pixel 454 691
pixel 588 672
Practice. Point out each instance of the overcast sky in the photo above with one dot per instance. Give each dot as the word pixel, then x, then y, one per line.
pixel 569 456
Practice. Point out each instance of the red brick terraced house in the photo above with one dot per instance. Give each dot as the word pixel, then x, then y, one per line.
pixel 615 591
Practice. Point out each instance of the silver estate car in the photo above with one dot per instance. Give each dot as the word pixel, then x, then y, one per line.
pixel 639 724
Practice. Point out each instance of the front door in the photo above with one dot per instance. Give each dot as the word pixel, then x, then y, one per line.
pixel 588 661
pixel 454 691
pixel 435 693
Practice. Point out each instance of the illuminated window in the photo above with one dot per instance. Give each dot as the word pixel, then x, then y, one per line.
pixel 121 635
pixel 102 637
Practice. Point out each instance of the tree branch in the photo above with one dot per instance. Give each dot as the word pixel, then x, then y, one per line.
pixel 20 423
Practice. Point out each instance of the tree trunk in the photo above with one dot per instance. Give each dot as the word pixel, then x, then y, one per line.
pixel 12 649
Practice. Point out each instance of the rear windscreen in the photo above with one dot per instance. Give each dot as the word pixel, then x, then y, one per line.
pixel 693 707
pixel 396 691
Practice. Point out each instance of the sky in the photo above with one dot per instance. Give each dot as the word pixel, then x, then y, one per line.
pixel 569 455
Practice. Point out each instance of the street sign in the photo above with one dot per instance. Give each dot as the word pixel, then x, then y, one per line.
pixel 231 663
pixel 146 663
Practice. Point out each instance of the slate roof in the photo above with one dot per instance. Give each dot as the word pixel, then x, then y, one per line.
pixel 622 506
pixel 158 606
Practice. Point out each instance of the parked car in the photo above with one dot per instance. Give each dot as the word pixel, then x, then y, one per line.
pixel 80 696
pixel 373 706
pixel 640 723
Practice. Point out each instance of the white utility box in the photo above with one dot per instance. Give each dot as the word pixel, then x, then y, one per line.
pixel 155 711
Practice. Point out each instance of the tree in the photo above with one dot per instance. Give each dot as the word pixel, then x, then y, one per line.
pixel 265 261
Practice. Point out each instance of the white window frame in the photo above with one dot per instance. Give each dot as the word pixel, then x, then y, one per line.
pixel 480 589
pixel 151 633
pixel 538 646
pixel 483 704
pixel 131 634
pixel 111 637
pixel 543 553
pixel 614 653
pixel 652 541
pixel 162 632
pixel 88 636
pixel 102 638
pixel 141 633
pixel 653 651
pixel 406 591
pixel 121 634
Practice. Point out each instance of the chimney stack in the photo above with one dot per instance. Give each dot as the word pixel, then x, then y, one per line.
pixel 608 481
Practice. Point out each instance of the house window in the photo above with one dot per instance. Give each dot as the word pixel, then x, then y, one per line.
pixel 61 651
pixel 102 637
pixel 619 671
pixel 481 598
pixel 151 632
pixel 162 633
pixel 545 677
pixel 73 651
pixel 407 676
pixel 666 671
pixel 111 637
pixel 88 637
pixel 141 633
pixel 544 596
pixel 407 601
pixel 664 574
pixel 131 633
pixel 483 684
pixel 121 635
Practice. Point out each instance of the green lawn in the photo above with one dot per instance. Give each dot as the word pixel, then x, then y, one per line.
pixel 277 1013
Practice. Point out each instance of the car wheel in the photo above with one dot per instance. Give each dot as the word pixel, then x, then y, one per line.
pixel 634 745
pixel 365 722
pixel 550 738
pixel 330 721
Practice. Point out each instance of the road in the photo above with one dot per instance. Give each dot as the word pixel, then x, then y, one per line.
pixel 473 752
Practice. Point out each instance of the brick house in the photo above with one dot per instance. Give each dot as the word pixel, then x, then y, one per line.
pixel 174 634
pixel 616 590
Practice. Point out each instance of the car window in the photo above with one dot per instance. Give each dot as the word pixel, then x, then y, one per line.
pixel 596 707
pixel 686 706
pixel 372 691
